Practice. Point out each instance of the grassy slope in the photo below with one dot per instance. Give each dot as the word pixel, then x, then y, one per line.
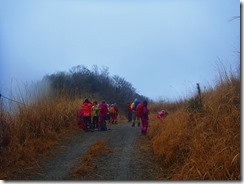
pixel 202 144
pixel 32 130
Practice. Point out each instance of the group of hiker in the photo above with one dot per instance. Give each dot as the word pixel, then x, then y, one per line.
pixel 138 114
pixel 93 116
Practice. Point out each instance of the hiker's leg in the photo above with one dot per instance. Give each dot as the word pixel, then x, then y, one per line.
pixel 145 126
pixel 86 122
pixel 133 118
pixel 89 122
pixel 96 121
pixel 112 118
pixel 103 125
pixel 138 121
pixel 130 116
pixel 99 123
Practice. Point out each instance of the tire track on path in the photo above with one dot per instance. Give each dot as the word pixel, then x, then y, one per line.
pixel 126 161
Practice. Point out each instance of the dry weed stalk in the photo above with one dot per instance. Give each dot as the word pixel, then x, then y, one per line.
pixel 205 144
pixel 87 161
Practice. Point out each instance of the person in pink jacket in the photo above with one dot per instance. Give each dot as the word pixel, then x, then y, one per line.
pixel 144 118
pixel 161 115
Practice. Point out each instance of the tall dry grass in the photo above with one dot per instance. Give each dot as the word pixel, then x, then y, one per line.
pixel 201 144
pixel 32 130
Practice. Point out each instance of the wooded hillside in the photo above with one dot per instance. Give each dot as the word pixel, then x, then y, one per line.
pixel 95 84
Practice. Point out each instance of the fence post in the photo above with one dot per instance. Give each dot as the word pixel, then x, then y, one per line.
pixel 199 94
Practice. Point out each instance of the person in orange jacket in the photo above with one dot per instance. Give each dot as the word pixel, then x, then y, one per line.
pixel 114 113
pixel 129 112
pixel 87 108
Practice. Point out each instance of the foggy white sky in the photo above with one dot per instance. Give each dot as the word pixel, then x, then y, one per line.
pixel 163 48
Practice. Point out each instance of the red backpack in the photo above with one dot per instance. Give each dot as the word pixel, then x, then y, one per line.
pixel 139 110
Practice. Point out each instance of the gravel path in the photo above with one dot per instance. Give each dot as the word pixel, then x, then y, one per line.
pixel 130 158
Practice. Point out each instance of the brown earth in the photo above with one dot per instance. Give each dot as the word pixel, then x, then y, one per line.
pixel 130 157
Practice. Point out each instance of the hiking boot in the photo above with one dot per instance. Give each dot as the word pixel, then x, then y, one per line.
pixel 143 133
pixel 133 124
pixel 139 124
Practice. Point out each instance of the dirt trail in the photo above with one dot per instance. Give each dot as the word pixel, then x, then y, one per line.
pixel 130 158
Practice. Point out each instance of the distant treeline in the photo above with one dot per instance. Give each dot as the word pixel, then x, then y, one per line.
pixel 94 84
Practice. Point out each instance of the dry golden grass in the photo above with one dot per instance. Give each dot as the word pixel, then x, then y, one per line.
pixel 202 144
pixel 32 130
pixel 87 161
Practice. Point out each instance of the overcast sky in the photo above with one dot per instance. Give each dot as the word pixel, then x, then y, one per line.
pixel 162 47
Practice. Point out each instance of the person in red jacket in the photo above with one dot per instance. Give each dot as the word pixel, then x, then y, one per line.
pixel 86 107
pixel 80 119
pixel 103 116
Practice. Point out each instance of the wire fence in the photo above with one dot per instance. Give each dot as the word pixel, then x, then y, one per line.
pixel 9 105
pixel 7 98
